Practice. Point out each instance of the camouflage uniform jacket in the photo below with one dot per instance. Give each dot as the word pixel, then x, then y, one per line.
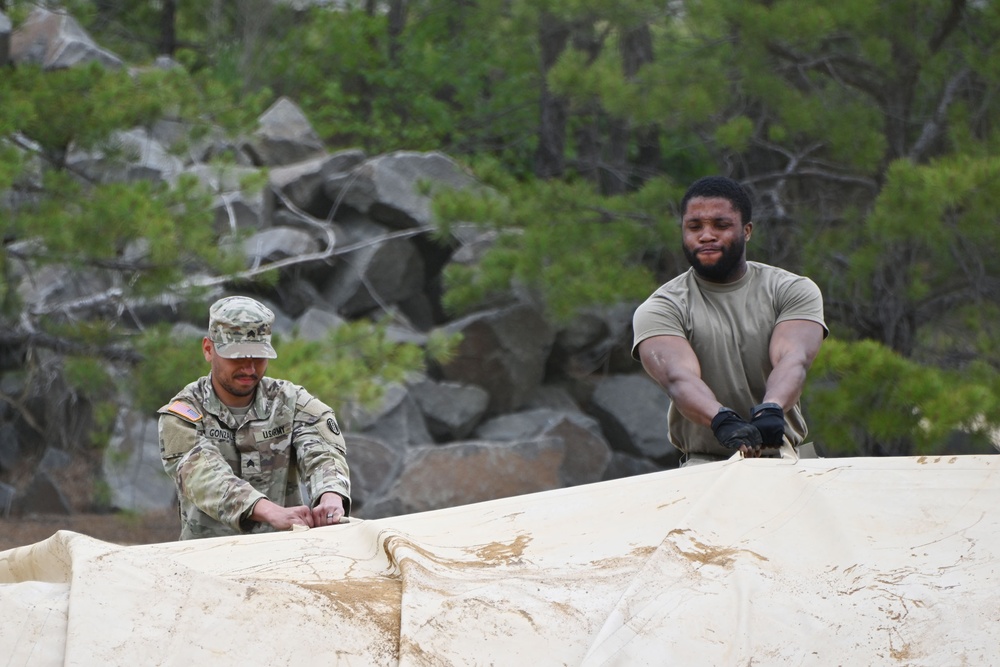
pixel 223 467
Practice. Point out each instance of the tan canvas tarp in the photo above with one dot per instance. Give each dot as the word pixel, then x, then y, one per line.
pixel 817 562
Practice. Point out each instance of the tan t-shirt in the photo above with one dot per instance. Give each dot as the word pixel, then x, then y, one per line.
pixel 729 327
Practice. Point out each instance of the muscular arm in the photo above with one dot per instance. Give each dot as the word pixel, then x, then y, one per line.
pixel 794 345
pixel 671 361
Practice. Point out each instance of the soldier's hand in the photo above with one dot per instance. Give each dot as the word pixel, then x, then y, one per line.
pixel 329 510
pixel 769 419
pixel 281 518
pixel 734 432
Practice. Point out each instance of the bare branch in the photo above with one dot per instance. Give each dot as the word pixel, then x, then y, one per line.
pixel 857 73
pixel 948 26
pixel 935 124
pixel 809 172
pixel 24 412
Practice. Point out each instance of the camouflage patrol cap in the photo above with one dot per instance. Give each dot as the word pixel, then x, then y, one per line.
pixel 240 328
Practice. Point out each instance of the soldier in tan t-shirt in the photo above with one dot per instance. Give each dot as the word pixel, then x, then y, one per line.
pixel 730 341
pixel 238 444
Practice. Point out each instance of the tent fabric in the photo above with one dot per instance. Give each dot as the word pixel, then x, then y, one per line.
pixel 759 561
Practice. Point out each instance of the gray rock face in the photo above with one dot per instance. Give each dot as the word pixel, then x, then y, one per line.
pixel 451 409
pixel 632 412
pixel 284 136
pixel 396 420
pixel 467 472
pixel 128 156
pixel 54 40
pixel 43 496
pixel 277 243
pixel 373 464
pixel 587 452
pixel 5 28
pixel 237 211
pixel 7 495
pixel 627 465
pixel 132 466
pixel 10 447
pixel 396 189
pixel 317 324
pixel 504 352
pixel 303 184
pixel 378 273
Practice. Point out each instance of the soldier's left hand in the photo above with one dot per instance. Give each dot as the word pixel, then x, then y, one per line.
pixel 329 510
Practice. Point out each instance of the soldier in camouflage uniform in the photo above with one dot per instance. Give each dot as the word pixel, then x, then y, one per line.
pixel 241 446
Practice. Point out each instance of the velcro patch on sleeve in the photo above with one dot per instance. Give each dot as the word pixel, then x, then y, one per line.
pixel 184 411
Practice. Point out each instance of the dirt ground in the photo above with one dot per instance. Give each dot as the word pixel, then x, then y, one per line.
pixel 119 528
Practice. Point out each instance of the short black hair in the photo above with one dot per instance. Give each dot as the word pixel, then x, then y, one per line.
pixel 720 186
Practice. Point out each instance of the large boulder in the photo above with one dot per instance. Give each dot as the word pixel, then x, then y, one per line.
pixel 587 451
pixel 597 339
pixel 316 324
pixel 397 189
pixel 10 446
pixel 54 40
pixel 375 273
pixel 301 185
pixel 632 411
pixel 132 467
pixel 43 496
pixel 277 243
pixel 503 351
pixel 283 136
pixel 129 155
pixel 452 410
pixel 395 420
pixel 438 476
pixel 374 466
pixel 236 207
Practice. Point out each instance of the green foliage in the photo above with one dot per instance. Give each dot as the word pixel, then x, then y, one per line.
pixel 79 106
pixel 863 392
pixel 90 374
pixel 434 86
pixel 354 364
pixel 168 363
pixel 571 246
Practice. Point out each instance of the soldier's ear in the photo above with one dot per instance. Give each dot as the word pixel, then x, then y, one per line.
pixel 207 348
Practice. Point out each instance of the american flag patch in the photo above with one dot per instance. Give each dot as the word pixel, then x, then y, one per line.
pixel 184 410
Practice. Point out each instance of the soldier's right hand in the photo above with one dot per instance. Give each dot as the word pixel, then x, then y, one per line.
pixel 281 518
pixel 734 432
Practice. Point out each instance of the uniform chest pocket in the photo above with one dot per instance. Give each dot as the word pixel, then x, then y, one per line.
pixel 271 450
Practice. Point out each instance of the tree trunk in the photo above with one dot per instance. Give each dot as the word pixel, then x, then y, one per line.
pixel 550 159
pixel 168 28
pixel 396 24
pixel 637 50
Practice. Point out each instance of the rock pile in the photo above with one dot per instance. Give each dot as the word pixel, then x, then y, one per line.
pixel 524 406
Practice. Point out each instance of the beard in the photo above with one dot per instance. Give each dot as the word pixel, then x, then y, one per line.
pixel 724 268
pixel 238 390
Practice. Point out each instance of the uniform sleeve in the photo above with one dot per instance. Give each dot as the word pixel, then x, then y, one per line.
pixel 320 450
pixel 802 300
pixel 656 316
pixel 202 474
